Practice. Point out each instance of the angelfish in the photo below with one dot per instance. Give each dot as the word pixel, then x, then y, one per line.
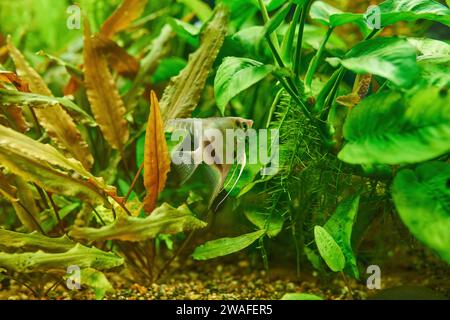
pixel 205 141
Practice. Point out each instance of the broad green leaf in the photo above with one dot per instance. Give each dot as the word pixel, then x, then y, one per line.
pixel 329 249
pixel 225 246
pixel 391 58
pixel 164 219
pixel 236 75
pixel 340 227
pixel 300 296
pixel 79 255
pixel 433 60
pixel 97 281
pixel 273 224
pixel 10 240
pixel 391 11
pixel 17 98
pixel 387 128
pixel 47 167
pixel 430 49
pixel 422 199
pixel 183 93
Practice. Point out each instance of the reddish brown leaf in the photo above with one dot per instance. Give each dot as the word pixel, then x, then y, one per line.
pixel 124 63
pixel 128 11
pixel 106 103
pixel 156 156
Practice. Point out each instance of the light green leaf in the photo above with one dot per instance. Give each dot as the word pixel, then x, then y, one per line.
pixel 273 224
pixel 236 75
pixel 300 296
pixel 183 93
pixel 225 246
pixel 387 128
pixel 340 227
pixel 33 241
pixel 391 11
pixel 97 281
pixel 422 199
pixel 329 249
pixel 79 255
pixel 164 219
pixel 391 58
pixel 17 98
pixel 186 31
pixel 200 8
pixel 47 167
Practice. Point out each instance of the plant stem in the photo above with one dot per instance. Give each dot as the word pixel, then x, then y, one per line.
pixel 135 179
pixel 266 19
pixel 316 60
pixel 301 29
pixel 55 209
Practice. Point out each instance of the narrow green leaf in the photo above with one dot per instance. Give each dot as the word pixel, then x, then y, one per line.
pixel 17 98
pixel 225 246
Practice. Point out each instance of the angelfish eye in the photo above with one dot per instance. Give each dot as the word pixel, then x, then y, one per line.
pixel 244 125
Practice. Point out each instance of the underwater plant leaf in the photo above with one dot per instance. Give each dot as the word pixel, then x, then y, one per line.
pixel 26 208
pixel 186 31
pixel 277 19
pixel 106 103
pixel 422 199
pixel 56 121
pixel 300 296
pixel 340 227
pixel 391 58
pixel 387 128
pixel 222 247
pixel 22 202
pixel 156 156
pixel 431 49
pixel 38 101
pixel 118 58
pixel 122 17
pixel 97 281
pixel 273 224
pixel 391 11
pixel 48 168
pixel 200 8
pixel 159 48
pixel 79 255
pixel 236 75
pixel 329 249
pixel 164 219
pixel 10 240
pixel 183 93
